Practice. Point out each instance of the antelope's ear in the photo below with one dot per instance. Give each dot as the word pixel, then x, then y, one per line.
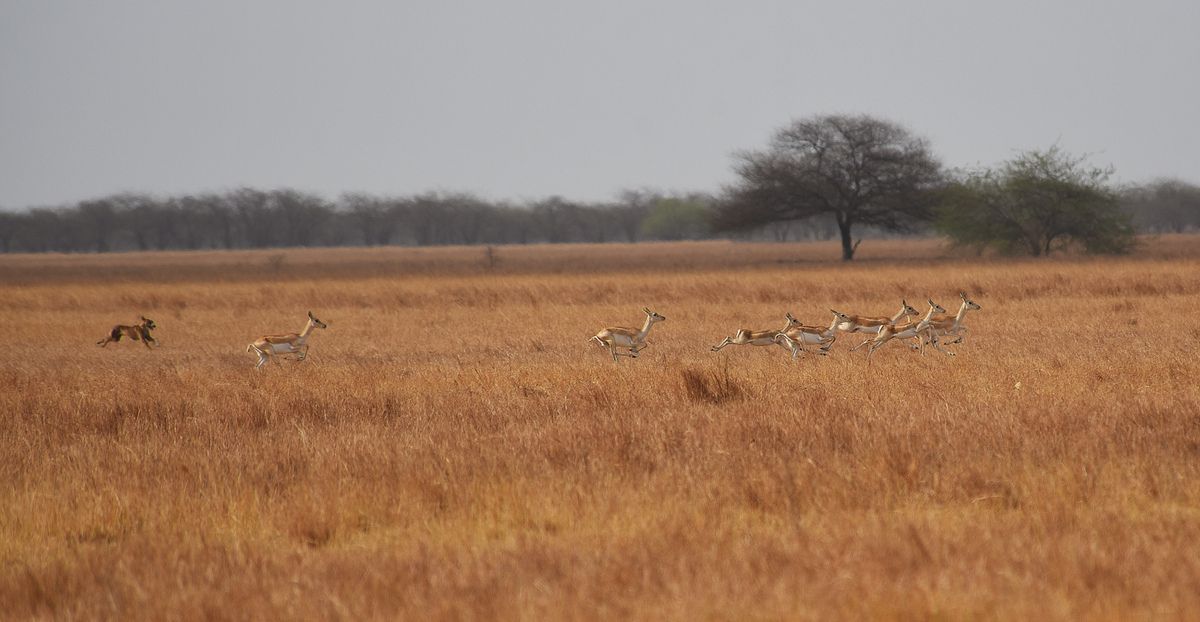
pixel 904 302
pixel 646 310
pixel 962 295
pixel 789 315
pixel 932 303
pixel 310 314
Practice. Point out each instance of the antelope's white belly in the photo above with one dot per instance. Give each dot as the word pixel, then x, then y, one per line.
pixel 281 348
pixel 621 340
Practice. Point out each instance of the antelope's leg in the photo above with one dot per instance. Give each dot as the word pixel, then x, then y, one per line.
pixel 717 348
pixel 936 346
pixel 794 346
pixel 858 346
pixel 927 337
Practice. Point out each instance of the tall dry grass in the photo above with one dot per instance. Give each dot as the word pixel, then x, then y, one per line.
pixel 454 448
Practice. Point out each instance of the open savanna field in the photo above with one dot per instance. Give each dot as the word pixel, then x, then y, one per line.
pixel 454 447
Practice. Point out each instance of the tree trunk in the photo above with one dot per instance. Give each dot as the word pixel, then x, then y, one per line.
pixel 1035 247
pixel 848 245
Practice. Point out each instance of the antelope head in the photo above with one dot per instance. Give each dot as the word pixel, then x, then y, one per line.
pixel 970 304
pixel 312 319
pixel 148 323
pixel 841 317
pixel 654 317
pixel 935 307
pixel 792 322
pixel 909 310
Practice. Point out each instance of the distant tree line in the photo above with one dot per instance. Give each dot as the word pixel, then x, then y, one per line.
pixel 820 178
pixel 249 218
pixel 252 218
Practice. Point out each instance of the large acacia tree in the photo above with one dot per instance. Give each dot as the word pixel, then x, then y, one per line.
pixel 859 169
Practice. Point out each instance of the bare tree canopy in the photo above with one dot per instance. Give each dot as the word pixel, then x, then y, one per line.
pixel 860 169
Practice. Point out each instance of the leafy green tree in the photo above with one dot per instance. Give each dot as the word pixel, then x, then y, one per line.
pixel 678 219
pixel 1036 203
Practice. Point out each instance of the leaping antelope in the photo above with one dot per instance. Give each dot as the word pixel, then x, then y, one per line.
pixel 292 343
pixel 747 337
pixel 862 324
pixel 795 337
pixel 137 332
pixel 620 337
pixel 911 329
pixel 951 324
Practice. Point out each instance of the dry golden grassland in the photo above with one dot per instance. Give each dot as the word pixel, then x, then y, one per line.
pixel 455 448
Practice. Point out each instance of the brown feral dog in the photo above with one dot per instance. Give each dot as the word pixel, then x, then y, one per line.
pixel 137 332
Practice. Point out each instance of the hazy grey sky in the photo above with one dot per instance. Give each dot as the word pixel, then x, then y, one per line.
pixel 518 99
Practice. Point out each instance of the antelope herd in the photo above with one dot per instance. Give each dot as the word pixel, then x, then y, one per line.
pixel 621 341
pixel 793 336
